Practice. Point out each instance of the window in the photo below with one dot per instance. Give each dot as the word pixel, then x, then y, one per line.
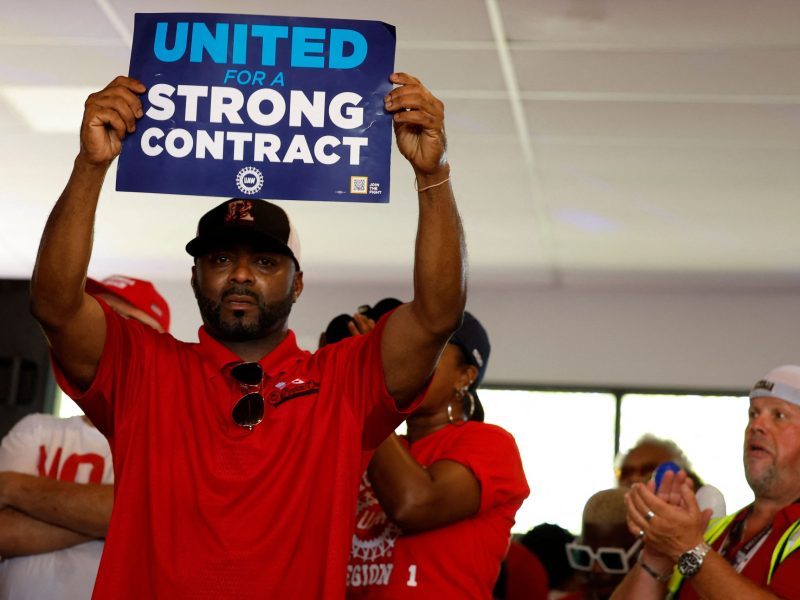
pixel 566 440
pixel 709 430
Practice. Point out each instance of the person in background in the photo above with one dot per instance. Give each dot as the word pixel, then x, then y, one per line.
pixel 639 463
pixel 749 555
pixel 548 541
pixel 436 507
pixel 342 326
pixel 606 550
pixel 522 575
pixel 56 481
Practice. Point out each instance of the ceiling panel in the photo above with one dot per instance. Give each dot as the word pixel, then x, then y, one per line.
pixel 614 137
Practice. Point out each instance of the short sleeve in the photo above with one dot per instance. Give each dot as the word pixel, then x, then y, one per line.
pixel 355 367
pixel 117 383
pixel 491 453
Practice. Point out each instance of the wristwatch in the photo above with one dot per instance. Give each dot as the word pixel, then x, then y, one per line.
pixel 690 561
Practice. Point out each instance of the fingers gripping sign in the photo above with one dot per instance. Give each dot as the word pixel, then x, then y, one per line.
pixel 109 115
pixel 418 123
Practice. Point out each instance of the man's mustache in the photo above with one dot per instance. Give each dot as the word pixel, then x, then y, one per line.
pixel 239 291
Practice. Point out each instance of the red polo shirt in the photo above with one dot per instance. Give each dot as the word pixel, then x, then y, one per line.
pixel 786 581
pixel 207 509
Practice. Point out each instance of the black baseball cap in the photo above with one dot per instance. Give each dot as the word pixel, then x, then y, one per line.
pixel 471 337
pixel 248 220
pixel 473 340
pixel 337 329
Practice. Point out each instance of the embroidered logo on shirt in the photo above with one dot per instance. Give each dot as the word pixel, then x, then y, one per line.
pixel 284 391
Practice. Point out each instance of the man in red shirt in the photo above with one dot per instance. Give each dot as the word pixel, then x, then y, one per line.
pixel 237 459
pixel 751 554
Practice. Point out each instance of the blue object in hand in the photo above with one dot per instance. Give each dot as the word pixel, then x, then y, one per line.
pixel 662 470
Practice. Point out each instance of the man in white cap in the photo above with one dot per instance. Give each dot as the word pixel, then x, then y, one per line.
pixel 750 554
pixel 237 459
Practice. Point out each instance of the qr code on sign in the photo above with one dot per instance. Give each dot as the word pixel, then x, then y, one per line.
pixel 358 185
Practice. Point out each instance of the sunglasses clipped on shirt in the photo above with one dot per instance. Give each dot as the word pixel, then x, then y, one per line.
pixel 249 409
pixel 611 560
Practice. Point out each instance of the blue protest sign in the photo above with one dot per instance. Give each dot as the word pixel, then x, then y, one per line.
pixel 265 107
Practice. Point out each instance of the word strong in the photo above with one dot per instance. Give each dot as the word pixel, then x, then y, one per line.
pixel 242 43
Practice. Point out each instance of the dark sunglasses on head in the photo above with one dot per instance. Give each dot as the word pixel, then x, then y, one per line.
pixel 249 409
pixel 611 560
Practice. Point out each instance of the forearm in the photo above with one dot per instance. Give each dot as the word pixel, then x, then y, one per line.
pixel 640 585
pixel 439 264
pixel 21 535
pixel 82 508
pixel 420 498
pixel 65 247
pixel 398 480
pixel 717 580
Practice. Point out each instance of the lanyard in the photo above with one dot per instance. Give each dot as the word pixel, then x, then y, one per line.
pixel 747 551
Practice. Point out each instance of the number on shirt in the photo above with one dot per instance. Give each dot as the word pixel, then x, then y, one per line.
pixel 412 576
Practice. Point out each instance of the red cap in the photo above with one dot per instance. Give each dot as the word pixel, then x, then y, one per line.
pixel 137 292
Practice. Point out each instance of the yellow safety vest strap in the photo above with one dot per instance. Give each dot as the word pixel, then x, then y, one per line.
pixel 789 542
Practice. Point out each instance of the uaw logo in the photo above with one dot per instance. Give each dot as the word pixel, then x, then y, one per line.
pixel 249 180
pixel 240 210
pixel 375 534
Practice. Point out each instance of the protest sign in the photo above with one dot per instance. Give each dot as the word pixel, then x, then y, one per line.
pixel 262 107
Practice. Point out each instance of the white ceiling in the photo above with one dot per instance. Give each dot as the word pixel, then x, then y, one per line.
pixel 590 140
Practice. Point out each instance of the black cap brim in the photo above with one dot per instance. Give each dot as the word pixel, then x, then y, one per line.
pixel 204 244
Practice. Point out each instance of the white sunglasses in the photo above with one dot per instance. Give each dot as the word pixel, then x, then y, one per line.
pixel 611 560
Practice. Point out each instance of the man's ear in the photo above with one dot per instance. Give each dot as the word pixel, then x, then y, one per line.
pixel 194 280
pixel 298 286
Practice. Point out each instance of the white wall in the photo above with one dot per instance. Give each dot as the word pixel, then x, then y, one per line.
pixel 696 337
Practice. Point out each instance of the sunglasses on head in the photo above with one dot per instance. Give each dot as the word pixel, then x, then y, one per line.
pixel 249 409
pixel 611 560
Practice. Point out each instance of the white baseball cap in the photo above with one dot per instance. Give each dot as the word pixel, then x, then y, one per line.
pixel 782 382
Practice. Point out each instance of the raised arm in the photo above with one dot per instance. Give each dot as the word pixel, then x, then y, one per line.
pixel 416 332
pixel 84 508
pixel 72 320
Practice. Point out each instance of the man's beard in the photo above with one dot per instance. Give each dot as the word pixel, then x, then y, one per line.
pixel 761 482
pixel 271 315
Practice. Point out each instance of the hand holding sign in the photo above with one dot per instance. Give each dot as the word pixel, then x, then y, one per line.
pixel 109 116
pixel 418 124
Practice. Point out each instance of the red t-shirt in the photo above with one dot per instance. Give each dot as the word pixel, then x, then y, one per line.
pixel 461 560
pixel 786 581
pixel 207 509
